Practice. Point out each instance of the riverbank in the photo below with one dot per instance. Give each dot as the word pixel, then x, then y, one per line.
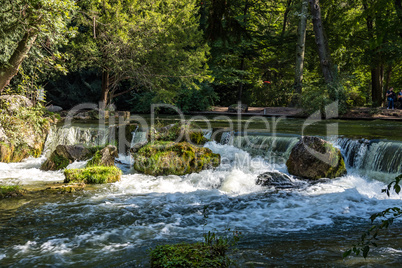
pixel 360 113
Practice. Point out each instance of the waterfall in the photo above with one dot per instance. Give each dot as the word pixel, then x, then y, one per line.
pixel 89 136
pixel 375 155
pixel 263 145
pixel 138 137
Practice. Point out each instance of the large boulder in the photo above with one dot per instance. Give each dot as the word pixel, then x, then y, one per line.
pixel 170 158
pixel 12 103
pixel 64 155
pixel 104 157
pixel 23 130
pixel 275 179
pixel 314 158
pixel 92 175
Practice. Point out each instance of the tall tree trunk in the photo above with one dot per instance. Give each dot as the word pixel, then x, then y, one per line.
pixel 377 72
pixel 327 68
pixel 300 47
pixel 105 88
pixel 377 77
pixel 285 16
pixel 11 69
pixel 398 9
pixel 243 57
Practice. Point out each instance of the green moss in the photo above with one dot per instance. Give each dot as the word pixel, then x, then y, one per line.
pixel 10 191
pixel 178 132
pixel 95 175
pixel 188 255
pixel 96 160
pixel 170 158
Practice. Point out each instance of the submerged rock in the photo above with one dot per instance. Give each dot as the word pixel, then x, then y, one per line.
pixel 92 175
pixel 64 155
pixel 276 179
pixel 64 189
pixel 314 158
pixel 170 158
pixel 104 157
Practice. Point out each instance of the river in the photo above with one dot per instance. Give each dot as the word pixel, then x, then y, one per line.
pixel 115 225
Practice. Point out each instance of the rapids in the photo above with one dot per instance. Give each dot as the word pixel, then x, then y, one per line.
pixel 115 225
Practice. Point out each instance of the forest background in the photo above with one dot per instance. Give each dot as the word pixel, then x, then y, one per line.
pixel 198 53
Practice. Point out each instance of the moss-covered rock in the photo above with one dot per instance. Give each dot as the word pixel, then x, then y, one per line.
pixel 23 129
pixel 188 255
pixel 7 191
pixel 104 157
pixel 178 132
pixel 170 158
pixel 314 158
pixel 94 175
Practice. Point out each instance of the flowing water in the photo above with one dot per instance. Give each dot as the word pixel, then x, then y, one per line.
pixel 115 225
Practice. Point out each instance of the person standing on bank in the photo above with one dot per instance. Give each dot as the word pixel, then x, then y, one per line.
pixel 400 99
pixel 390 97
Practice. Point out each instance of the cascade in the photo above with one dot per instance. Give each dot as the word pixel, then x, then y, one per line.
pixel 374 155
pixel 262 145
pixel 138 137
pixel 89 136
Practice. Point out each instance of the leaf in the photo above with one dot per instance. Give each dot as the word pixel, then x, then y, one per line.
pixel 346 253
pixel 366 250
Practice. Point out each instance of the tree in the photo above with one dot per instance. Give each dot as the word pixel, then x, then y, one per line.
pixel 327 68
pixel 152 44
pixel 22 23
pixel 300 48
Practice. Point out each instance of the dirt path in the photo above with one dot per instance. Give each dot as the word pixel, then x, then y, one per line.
pixel 363 113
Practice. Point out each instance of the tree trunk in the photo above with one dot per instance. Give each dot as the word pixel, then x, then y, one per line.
pixel 285 16
pixel 377 72
pixel 11 69
pixel 105 88
pixel 327 68
pixel 377 75
pixel 242 62
pixel 300 47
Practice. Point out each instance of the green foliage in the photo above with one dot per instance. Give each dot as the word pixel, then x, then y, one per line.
pixel 188 255
pixel 94 175
pixel 178 132
pixel 387 216
pixel 7 191
pixel 191 99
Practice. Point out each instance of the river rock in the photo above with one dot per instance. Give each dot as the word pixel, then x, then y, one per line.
pixel 104 157
pixel 92 175
pixel 54 108
pixel 3 136
pixel 170 158
pixel 12 103
pixel 64 155
pixel 276 179
pixel 236 108
pixel 314 158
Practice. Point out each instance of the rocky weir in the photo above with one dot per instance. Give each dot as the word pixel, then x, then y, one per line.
pixel 278 214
